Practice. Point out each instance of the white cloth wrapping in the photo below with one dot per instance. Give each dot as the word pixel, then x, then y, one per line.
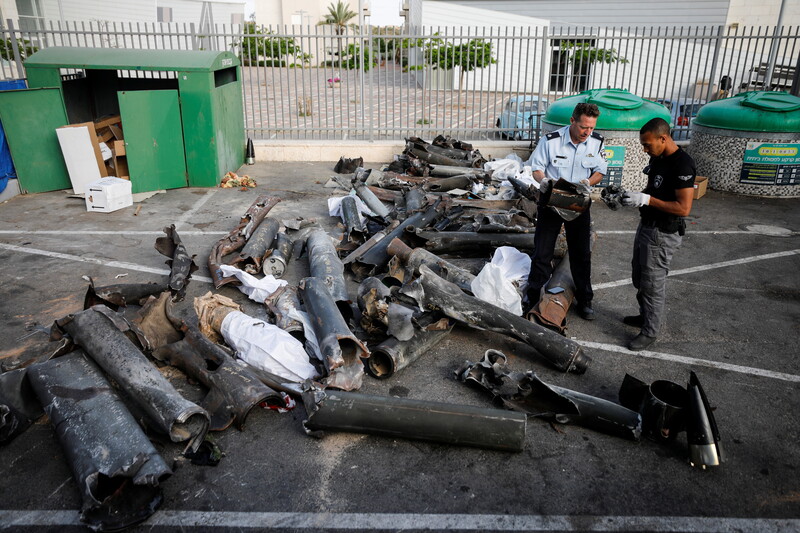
pixel 502 169
pixel 267 347
pixel 497 282
pixel 256 289
pixel 335 207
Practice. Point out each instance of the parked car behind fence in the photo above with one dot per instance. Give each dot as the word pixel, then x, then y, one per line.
pixel 520 117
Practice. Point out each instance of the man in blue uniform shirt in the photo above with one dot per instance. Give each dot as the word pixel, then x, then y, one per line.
pixel 662 205
pixel 573 153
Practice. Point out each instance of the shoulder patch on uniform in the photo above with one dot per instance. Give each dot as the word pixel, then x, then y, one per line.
pixel 553 135
pixel 597 136
pixel 685 178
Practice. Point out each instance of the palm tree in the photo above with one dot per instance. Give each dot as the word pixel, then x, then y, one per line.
pixel 338 16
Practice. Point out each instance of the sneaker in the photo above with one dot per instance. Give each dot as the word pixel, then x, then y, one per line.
pixel 640 342
pixel 585 311
pixel 636 321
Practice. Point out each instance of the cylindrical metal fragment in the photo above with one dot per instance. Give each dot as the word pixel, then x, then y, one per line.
pixel 277 261
pixel 463 181
pixel 471 242
pixel 414 419
pixel 282 303
pixel 324 263
pixel 252 254
pixel 393 355
pixel 352 221
pixel 419 256
pixel 369 198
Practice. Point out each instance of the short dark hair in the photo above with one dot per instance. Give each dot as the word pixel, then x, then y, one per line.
pixel 656 126
pixel 585 109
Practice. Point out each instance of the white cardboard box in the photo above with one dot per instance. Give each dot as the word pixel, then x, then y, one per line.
pixel 108 194
pixel 81 154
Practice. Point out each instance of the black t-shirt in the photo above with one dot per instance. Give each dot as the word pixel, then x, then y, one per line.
pixel 665 175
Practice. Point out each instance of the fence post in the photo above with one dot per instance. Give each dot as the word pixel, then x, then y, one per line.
pixel 15 49
pixel 714 61
pixel 543 68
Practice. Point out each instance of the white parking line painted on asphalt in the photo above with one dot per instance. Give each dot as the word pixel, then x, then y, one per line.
pixel 104 232
pixel 409 521
pixel 691 361
pixel 197 205
pixel 703 268
pixel 113 264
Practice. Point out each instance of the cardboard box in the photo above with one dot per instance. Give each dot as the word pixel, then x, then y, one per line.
pixel 700 184
pixel 120 161
pixel 81 154
pixel 108 194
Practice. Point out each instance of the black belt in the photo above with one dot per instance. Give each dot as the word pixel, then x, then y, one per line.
pixel 667 226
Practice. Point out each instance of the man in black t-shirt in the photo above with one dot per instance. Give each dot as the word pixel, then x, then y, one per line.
pixel 663 204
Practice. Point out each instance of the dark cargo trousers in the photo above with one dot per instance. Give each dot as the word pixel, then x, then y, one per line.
pixel 652 254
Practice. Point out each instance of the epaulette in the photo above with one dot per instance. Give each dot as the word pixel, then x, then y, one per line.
pixel 598 136
pixel 553 135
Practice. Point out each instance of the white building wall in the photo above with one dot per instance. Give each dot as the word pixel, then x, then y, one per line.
pixel 99 10
pixel 296 12
pixel 763 13
pixel 610 12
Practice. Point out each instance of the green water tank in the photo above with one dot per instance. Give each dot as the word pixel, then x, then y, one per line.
pixel 767 111
pixel 619 109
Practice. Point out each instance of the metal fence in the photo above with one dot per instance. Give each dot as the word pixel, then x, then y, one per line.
pixel 470 83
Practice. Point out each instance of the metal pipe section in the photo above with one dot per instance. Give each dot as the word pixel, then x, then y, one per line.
pixel 180 262
pixel 283 303
pixel 448 184
pixel 414 419
pixel 419 256
pixel 276 263
pixel 372 201
pixel 354 229
pixel 116 468
pixel 701 429
pixel 253 252
pixel 432 292
pixel 341 350
pixel 393 355
pixel 324 264
pixel 474 243
pixel 95 331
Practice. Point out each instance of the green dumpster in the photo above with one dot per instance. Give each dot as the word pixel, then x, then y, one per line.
pixel 181 112
pixel 622 114
pixel 750 144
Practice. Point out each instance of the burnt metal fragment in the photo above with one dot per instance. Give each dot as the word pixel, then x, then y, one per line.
pixel 341 350
pixel 470 242
pixel 432 292
pixel 461 425
pixel 348 166
pixel 354 229
pixel 275 264
pixel 237 238
pixel 122 294
pixel 96 332
pixel 371 201
pixel 415 200
pixel 419 256
pixel 233 390
pixel 283 303
pixel 252 255
pixel 393 355
pixel 463 181
pixel 356 254
pixel 18 404
pixel 181 264
pixel 662 404
pixel 701 428
pixel 115 466
pixel 324 263
pixel 525 392
pixel 612 196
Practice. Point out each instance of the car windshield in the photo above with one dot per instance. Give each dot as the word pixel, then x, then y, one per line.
pixel 529 106
pixel 690 110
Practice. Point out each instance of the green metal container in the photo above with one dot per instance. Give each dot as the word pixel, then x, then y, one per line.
pixel 619 109
pixel 750 144
pixel 181 110
pixel 622 114
pixel 768 111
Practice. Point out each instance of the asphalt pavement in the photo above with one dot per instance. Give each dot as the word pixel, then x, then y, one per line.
pixel 733 317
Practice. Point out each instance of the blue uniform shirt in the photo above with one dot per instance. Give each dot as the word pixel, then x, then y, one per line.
pixel 558 157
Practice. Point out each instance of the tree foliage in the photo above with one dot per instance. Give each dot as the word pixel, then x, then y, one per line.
pixel 25 49
pixel 278 51
pixel 339 15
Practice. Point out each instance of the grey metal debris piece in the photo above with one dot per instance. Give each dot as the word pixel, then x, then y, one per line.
pixel 238 236
pixel 415 200
pixel 341 349
pixel 525 392
pixel 354 229
pixel 356 254
pixel 419 256
pixel 253 252
pixel 393 355
pixel 233 390
pixel 116 468
pixel 94 330
pixel 432 292
pixel 283 303
pixel 369 198
pixel 413 419
pixel 277 262
pixel 348 166
pixel 474 243
pixel 324 263
pixel 463 181
pixel 701 428
pixel 122 294
pixel 181 264
pixel 18 404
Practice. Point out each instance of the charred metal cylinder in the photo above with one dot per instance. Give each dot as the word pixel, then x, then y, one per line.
pixel 419 256
pixel 277 261
pixel 18 404
pixel 393 355
pixel 121 294
pixel 111 349
pixel 255 249
pixel 415 200
pixel 372 201
pixel 463 181
pixel 449 171
pixel 352 221
pixel 701 428
pixel 324 263
pixel 116 468
pixel 437 159
pixel 466 241
pixel 341 350
pixel 414 419
pixel 180 263
pixel 432 292
pixel 283 303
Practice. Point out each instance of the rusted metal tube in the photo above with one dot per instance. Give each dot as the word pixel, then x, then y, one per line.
pixel 341 350
pixel 432 292
pixel 94 330
pixel 461 425
pixel 238 237
pixel 18 404
pixel 419 256
pixel 116 468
